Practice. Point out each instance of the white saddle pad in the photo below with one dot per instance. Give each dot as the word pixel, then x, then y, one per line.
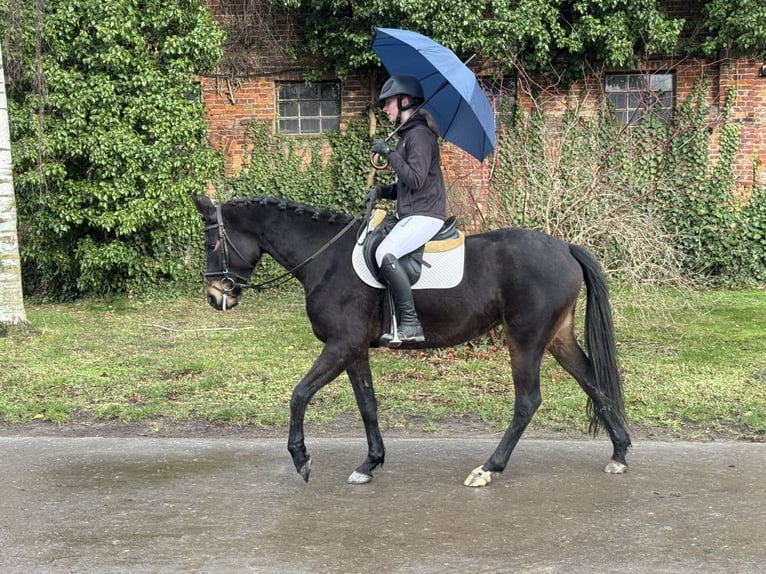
pixel 441 269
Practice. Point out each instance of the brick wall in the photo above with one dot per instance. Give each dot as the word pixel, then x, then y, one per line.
pixel 243 90
pixel 749 113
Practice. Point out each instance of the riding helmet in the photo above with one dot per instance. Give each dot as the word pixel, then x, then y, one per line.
pixel 402 86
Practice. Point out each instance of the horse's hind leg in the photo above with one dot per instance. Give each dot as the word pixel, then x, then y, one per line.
pixel 526 381
pixel 571 357
pixel 361 381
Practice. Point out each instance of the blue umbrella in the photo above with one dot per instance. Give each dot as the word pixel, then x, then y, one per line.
pixel 453 96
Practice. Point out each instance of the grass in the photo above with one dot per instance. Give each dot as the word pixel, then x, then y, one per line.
pixel 694 365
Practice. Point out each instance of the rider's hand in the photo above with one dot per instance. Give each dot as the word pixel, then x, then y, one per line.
pixel 380 147
pixel 372 196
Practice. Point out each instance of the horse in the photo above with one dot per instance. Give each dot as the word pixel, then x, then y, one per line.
pixel 525 280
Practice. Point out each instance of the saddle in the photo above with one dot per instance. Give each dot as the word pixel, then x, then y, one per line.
pixel 447 241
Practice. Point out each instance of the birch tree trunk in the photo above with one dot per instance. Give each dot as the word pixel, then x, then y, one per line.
pixel 11 295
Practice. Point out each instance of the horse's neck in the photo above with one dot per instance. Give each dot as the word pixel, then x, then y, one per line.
pixel 290 235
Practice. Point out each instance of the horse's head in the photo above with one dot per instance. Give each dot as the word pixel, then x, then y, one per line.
pixel 230 257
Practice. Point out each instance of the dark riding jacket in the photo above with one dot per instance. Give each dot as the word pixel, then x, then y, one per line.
pixel 419 187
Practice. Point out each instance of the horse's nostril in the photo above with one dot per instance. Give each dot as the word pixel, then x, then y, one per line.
pixel 212 300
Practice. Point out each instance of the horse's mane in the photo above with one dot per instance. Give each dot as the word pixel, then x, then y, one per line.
pixel 298 208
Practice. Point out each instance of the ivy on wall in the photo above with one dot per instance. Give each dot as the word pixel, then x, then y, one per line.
pixel 328 172
pixel 645 198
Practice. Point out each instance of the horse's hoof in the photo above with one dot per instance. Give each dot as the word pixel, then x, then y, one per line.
pixel 305 470
pixel 478 477
pixel 358 478
pixel 615 467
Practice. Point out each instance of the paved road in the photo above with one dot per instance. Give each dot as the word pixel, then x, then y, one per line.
pixel 162 505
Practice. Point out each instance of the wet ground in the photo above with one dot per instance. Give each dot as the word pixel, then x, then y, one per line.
pixel 220 505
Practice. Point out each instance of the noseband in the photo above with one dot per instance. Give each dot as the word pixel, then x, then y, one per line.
pixel 230 281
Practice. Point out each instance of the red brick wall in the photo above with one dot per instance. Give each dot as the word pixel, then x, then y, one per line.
pixel 749 113
pixel 243 90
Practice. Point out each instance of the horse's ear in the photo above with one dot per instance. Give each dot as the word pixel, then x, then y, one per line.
pixel 204 205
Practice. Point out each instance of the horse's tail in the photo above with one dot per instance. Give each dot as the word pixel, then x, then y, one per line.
pixel 599 339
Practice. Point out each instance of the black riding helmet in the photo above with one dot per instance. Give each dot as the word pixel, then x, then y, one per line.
pixel 402 86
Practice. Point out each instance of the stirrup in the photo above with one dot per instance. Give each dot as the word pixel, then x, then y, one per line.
pixel 391 339
pixel 386 338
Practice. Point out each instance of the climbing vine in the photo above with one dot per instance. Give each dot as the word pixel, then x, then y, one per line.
pixel 646 198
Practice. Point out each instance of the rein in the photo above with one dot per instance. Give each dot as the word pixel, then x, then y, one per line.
pixel 231 281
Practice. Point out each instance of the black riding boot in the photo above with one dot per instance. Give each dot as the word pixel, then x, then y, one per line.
pixel 408 328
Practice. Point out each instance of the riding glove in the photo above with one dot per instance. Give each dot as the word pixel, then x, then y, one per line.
pixel 372 196
pixel 380 147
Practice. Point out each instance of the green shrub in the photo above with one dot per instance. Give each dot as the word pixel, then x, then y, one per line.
pixel 108 138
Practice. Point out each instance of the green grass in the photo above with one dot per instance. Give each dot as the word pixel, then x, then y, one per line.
pixel 694 363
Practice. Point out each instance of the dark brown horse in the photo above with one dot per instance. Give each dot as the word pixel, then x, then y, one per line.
pixel 524 280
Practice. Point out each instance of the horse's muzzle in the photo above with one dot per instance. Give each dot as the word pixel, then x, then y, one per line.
pixel 222 299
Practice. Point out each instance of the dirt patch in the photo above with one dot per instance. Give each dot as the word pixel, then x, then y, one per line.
pixel 346 425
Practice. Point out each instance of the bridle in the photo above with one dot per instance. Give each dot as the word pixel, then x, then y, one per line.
pixel 229 281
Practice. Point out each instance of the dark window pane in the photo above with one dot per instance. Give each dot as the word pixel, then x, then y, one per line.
pixel 288 108
pixel 309 126
pixel 330 124
pixel 640 94
pixel 288 126
pixel 308 92
pixel 329 91
pixel 288 91
pixel 617 99
pixel 501 93
pixel 636 82
pixel 329 108
pixel 301 106
pixel 309 108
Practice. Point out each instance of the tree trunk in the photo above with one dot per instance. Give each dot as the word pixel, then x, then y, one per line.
pixel 11 295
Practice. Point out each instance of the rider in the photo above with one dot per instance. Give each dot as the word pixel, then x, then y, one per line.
pixel 421 200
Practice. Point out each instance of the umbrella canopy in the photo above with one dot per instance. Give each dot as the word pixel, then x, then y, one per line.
pixel 453 95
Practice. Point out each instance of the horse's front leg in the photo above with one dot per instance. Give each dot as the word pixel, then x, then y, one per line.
pixel 361 380
pixel 327 367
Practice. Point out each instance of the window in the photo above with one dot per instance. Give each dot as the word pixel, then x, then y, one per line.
pixel 309 108
pixel 502 96
pixel 633 96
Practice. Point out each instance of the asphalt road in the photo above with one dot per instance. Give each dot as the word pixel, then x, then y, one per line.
pixel 221 505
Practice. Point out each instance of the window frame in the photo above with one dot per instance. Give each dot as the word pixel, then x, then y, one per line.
pixel 641 93
pixel 502 94
pixel 302 105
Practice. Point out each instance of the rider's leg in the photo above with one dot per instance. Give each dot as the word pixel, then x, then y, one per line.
pixel 408 329
pixel 407 235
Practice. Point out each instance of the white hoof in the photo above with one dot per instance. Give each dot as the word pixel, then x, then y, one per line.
pixel 478 477
pixel 358 478
pixel 615 467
